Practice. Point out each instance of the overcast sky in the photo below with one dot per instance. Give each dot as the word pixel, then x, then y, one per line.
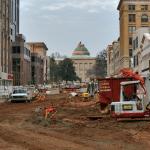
pixel 61 24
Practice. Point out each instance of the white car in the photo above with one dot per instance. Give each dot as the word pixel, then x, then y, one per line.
pixel 20 95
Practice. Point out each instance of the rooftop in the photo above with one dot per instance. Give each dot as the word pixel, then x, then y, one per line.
pixel 42 44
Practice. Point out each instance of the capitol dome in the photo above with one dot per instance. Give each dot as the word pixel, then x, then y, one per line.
pixel 81 50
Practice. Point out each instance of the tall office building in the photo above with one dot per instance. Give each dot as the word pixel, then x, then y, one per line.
pixel 14 26
pixel 4 36
pixel 9 29
pixel 133 15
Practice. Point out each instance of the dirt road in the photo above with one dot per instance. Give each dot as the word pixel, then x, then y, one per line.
pixel 23 129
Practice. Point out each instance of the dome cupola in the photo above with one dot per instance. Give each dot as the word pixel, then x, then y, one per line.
pixel 81 50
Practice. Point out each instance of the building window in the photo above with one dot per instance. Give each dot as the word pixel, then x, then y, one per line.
pixel 33 58
pixel 16 50
pixel 16 61
pixel 149 65
pixel 132 29
pixel 137 60
pixel 42 61
pixel 131 7
pixel 130 52
pixel 16 70
pixel 132 17
pixel 136 63
pixel 130 40
pixel 144 18
pixel 136 42
pixel 11 31
pixel 144 7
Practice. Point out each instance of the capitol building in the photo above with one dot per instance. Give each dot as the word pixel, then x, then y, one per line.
pixel 83 62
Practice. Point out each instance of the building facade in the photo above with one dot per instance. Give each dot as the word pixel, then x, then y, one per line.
pixel 83 62
pixel 137 52
pixel 133 15
pixel 21 62
pixel 145 48
pixel 6 76
pixel 38 62
pixel 4 37
pixel 109 50
pixel 9 28
pixel 113 54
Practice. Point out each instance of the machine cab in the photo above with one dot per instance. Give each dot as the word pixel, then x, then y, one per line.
pixel 131 100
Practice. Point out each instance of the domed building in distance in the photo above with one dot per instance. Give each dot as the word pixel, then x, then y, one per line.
pixel 81 51
pixel 82 62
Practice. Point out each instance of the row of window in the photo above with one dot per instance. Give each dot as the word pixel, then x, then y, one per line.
pixel 16 64
pixel 132 18
pixel 135 61
pixel 135 43
pixel 133 7
pixel 17 50
pixel 131 29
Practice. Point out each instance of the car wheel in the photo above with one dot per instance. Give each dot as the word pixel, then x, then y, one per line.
pixel 29 101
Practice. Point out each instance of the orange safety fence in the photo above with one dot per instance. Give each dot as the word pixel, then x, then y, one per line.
pixel 49 112
pixel 40 97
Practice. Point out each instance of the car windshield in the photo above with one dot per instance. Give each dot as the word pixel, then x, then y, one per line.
pixel 19 91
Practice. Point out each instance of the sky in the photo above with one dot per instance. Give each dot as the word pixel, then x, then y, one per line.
pixel 62 24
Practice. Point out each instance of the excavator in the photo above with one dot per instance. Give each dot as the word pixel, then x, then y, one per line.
pixel 137 105
pixel 127 95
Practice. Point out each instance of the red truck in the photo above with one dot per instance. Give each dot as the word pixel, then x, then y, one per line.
pixel 109 90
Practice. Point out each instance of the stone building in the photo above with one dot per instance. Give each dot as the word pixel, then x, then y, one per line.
pixel 38 62
pixel 110 62
pixel 9 28
pixel 13 26
pixel 21 62
pixel 83 62
pixel 4 39
pixel 113 54
pixel 141 51
pixel 145 48
pixel 133 15
pixel 137 52
pixel 9 21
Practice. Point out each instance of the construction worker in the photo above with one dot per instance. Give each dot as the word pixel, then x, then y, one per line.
pixel 91 88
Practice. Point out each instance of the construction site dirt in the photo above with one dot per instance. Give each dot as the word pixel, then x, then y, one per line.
pixel 76 125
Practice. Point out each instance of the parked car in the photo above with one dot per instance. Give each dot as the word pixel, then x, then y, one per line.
pixel 20 95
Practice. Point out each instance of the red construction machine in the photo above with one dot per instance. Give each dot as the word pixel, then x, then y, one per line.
pixel 126 95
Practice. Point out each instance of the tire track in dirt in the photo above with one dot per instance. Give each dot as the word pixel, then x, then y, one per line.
pixel 35 141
